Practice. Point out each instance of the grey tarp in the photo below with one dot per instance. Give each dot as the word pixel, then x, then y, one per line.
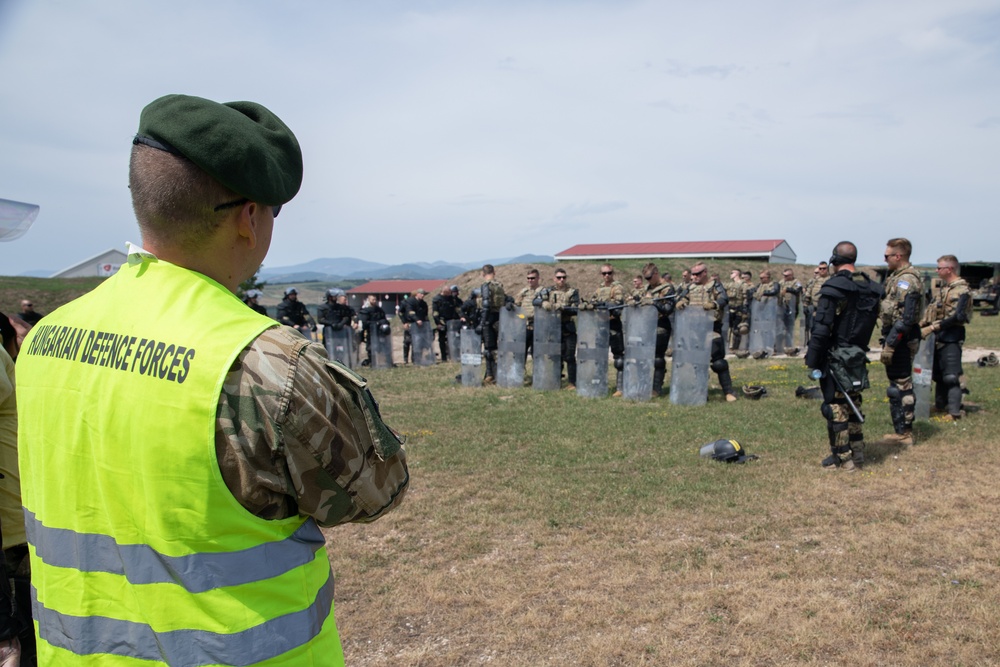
pixel 422 337
pixel 510 348
pixel 692 352
pixel 592 347
pixel 546 356
pixel 472 358
pixel 340 345
pixel 639 328
pixel 763 321
pixel 923 370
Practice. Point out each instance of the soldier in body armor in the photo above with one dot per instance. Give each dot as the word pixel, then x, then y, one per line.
pixel 739 320
pixel 493 299
pixel 705 292
pixel 370 318
pixel 845 318
pixel 413 310
pixel 611 293
pixel 565 300
pixel 657 290
pixel 293 313
pixel 946 316
pixel 251 298
pixel 810 295
pixel 523 300
pixel 638 289
pixel 443 310
pixel 789 293
pixel 900 314
pixel 335 313
pixel 470 310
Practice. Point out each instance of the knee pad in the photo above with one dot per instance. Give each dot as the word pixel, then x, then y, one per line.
pixel 950 379
pixel 659 363
pixel 909 399
pixel 827 411
pixel 893 392
pixel 720 365
pixel 743 330
pixel 619 363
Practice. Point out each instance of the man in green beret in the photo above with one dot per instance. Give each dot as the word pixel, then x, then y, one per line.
pixel 180 451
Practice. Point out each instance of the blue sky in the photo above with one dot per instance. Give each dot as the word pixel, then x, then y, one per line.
pixel 469 130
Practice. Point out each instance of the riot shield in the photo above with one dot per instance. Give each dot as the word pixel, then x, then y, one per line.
pixel 510 348
pixel 454 328
pixel 472 358
pixel 381 344
pixel 639 329
pixel 785 326
pixel 763 322
pixel 692 352
pixel 546 356
pixel 592 346
pixel 422 337
pixel 725 330
pixel 923 370
pixel 340 345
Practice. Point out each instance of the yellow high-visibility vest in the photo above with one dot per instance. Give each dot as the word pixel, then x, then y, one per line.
pixel 139 551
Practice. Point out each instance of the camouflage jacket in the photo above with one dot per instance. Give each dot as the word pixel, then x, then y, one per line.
pixel 789 288
pixel 810 293
pixel 710 296
pixel 523 301
pixel 563 299
pixel 949 311
pixel 765 290
pixel 901 305
pixel 609 294
pixel 298 434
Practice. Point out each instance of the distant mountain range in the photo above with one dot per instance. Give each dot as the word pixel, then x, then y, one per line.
pixel 333 269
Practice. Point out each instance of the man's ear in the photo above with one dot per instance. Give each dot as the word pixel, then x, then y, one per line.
pixel 246 224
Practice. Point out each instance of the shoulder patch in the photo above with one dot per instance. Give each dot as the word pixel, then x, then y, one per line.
pixel 903 284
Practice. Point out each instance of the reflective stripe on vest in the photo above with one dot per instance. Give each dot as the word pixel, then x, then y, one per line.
pixel 139 550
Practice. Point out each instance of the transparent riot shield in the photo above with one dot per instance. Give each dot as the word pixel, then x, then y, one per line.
pixel 454 329
pixel 763 322
pixel 923 370
pixel 725 330
pixel 639 329
pixel 471 345
pixel 340 345
pixel 512 340
pixel 592 346
pixel 380 340
pixel 546 352
pixel 422 340
pixel 806 323
pixel 692 353
pixel 784 328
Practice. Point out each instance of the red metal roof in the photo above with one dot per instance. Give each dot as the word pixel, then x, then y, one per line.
pixel 398 286
pixel 670 248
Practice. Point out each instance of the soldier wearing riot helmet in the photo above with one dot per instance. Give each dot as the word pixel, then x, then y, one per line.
pixel 444 310
pixel 709 294
pixel 846 314
pixel 565 300
pixel 900 314
pixel 611 293
pixel 412 311
pixel 659 289
pixel 293 313
pixel 493 298
pixel 946 315
pixel 335 312
pixel 250 299
pixel 371 318
pixel 470 310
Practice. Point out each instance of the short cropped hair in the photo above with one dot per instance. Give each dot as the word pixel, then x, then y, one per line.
pixel 902 246
pixel 951 259
pixel 174 200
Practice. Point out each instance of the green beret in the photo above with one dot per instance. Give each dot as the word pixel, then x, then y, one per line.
pixel 240 144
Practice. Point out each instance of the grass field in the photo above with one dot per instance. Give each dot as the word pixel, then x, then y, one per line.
pixel 545 529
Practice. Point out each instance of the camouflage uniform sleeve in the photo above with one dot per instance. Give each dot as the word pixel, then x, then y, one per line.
pixel 293 436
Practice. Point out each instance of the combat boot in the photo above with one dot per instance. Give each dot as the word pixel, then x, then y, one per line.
pixel 904 439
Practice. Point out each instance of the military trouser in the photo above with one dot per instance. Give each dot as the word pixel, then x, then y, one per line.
pixel 947 377
pixel 568 351
pixel 490 341
pixel 443 342
pixel 900 391
pixel 616 341
pixel 807 313
pixel 407 343
pixel 720 365
pixel 842 426
pixel 660 359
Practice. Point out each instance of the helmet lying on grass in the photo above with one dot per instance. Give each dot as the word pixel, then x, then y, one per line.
pixel 728 451
pixel 754 391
